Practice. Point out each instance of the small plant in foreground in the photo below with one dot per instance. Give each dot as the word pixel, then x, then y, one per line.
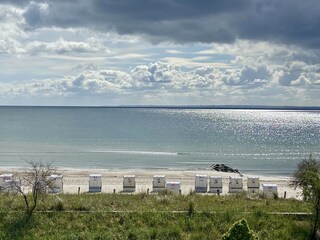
pixel 59 205
pixel 191 209
pixel 240 231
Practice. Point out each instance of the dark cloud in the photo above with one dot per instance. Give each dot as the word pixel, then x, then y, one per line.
pixel 281 21
pixel 15 2
pixel 154 10
pixel 286 21
pixel 35 14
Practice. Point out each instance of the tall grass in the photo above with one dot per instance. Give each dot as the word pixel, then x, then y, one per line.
pixel 153 216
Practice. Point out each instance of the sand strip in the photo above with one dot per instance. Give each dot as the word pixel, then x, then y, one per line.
pixel 113 179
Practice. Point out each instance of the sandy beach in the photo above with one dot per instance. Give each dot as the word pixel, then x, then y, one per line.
pixel 113 179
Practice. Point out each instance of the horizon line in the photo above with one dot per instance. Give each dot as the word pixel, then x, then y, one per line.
pixel 173 106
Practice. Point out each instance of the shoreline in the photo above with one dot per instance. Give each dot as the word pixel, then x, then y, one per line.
pixel 152 169
pixel 112 179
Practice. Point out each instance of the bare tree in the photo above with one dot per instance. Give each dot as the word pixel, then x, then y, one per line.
pixel 33 183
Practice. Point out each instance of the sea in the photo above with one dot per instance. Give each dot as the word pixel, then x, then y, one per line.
pixel 254 141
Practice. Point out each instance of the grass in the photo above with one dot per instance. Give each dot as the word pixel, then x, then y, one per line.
pixel 142 216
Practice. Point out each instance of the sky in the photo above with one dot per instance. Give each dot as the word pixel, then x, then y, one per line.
pixel 160 52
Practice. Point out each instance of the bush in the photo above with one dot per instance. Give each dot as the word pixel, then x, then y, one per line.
pixel 59 206
pixel 240 231
pixel 191 209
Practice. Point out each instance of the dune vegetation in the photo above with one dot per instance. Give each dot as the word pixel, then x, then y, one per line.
pixel 154 216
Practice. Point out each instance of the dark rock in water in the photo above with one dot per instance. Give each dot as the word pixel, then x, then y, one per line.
pixel 223 168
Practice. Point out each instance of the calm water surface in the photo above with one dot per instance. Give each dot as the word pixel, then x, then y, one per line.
pixel 267 142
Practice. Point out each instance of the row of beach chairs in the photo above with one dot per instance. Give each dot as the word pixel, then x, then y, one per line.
pixel 7 181
pixel 203 184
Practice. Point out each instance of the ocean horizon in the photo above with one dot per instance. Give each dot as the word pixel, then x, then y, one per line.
pixel 268 141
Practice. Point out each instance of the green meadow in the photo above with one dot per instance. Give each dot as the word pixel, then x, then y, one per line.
pixel 154 216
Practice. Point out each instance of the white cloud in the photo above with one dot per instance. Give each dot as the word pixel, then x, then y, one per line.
pixel 247 77
pixel 173 51
pixel 162 82
pixel 15 40
pixel 288 66
pixel 129 56
pixel 62 46
pixel 299 73
pixel 194 62
pixel 10 30
pixel 157 76
pixel 10 46
pixel 11 19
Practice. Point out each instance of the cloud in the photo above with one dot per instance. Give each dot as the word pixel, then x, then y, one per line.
pixel 157 76
pixel 10 46
pixel 36 13
pixel 247 77
pixel 298 73
pixel 174 51
pixel 255 62
pixel 194 62
pixel 14 2
pixel 11 19
pixel 62 46
pixel 280 21
pixel 129 56
pixel 228 51
pixel 161 82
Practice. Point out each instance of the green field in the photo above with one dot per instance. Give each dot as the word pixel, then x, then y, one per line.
pixel 142 216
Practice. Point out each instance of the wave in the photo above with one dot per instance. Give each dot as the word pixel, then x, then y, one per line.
pixel 134 152
pixel 196 163
pixel 141 152
pixel 127 152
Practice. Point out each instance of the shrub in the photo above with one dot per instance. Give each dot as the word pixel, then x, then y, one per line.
pixel 59 206
pixel 191 209
pixel 240 231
